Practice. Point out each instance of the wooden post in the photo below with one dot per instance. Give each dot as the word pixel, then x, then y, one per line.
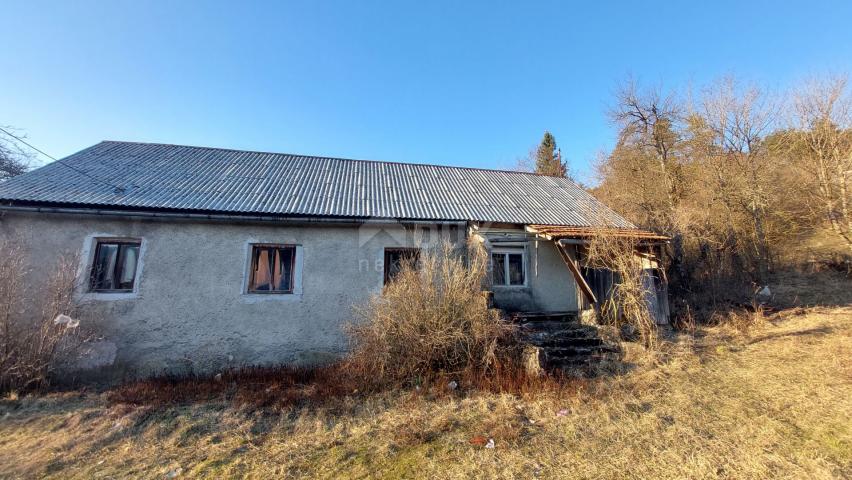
pixel 578 277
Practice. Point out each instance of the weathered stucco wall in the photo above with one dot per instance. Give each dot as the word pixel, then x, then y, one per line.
pixel 549 284
pixel 553 285
pixel 189 310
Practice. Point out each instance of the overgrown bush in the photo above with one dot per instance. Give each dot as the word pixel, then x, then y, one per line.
pixel 37 321
pixel 432 320
pixel 628 302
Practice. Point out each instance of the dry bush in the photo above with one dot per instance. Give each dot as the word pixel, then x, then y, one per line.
pixel 628 302
pixel 31 339
pixel 433 319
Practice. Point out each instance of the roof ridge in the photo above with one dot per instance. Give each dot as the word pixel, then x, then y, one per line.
pixel 320 157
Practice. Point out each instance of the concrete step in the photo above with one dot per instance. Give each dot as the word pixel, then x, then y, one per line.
pixel 575 351
pixel 560 344
pixel 556 341
pixel 574 330
pixel 554 326
pixel 525 317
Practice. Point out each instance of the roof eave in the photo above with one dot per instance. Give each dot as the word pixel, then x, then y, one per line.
pixel 227 216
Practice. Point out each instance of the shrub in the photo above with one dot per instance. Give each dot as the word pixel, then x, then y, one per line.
pixel 628 302
pixel 37 320
pixel 432 319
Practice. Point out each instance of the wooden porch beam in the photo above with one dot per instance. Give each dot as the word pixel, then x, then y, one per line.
pixel 578 277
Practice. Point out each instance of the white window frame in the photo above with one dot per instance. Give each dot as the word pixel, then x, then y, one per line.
pixel 507 250
pixel 82 288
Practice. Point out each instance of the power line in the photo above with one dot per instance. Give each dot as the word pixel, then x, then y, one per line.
pixel 27 144
pixel 81 172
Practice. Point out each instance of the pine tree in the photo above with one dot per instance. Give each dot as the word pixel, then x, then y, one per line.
pixel 548 159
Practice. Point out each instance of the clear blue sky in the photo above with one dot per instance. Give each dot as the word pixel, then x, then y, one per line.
pixel 447 82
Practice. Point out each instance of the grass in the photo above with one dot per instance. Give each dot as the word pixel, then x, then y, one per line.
pixel 770 403
pixel 827 288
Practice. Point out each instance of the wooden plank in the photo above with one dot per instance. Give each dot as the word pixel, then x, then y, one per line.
pixel 561 231
pixel 578 277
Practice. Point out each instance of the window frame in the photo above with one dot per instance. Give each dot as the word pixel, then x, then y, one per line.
pixel 386 279
pixel 252 269
pixel 119 242
pixel 506 251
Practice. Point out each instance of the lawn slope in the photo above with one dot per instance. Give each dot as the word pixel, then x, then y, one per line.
pixel 771 403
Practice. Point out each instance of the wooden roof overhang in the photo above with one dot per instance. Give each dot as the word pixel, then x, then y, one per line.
pixel 560 232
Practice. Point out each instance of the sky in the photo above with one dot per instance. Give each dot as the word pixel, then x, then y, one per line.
pixel 473 83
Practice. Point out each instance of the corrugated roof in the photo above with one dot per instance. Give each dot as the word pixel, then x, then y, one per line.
pixel 175 177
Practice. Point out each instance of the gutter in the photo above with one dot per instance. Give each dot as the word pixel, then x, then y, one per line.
pixel 227 217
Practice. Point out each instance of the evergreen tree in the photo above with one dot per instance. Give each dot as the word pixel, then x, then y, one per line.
pixel 548 159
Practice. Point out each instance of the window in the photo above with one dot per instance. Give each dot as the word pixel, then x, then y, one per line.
pixel 395 258
pixel 272 269
pixel 114 267
pixel 508 267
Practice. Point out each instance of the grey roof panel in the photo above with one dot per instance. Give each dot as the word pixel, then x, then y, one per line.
pixel 158 176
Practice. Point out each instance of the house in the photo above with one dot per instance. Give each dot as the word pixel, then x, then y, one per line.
pixel 194 258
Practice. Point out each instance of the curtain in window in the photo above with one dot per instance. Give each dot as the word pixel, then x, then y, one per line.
pixel 516 269
pixel 114 267
pixel 129 256
pixel 107 256
pixel 498 268
pixel 273 269
pixel 263 269
pixel 283 268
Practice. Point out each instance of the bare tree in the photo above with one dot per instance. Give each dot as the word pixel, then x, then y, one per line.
pixel 648 120
pixel 648 159
pixel 822 133
pixel 526 163
pixel 13 160
pixel 736 120
pixel 717 173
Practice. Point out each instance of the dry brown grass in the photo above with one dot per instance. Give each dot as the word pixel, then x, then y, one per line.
pixel 772 403
pixel 248 388
pixel 792 288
